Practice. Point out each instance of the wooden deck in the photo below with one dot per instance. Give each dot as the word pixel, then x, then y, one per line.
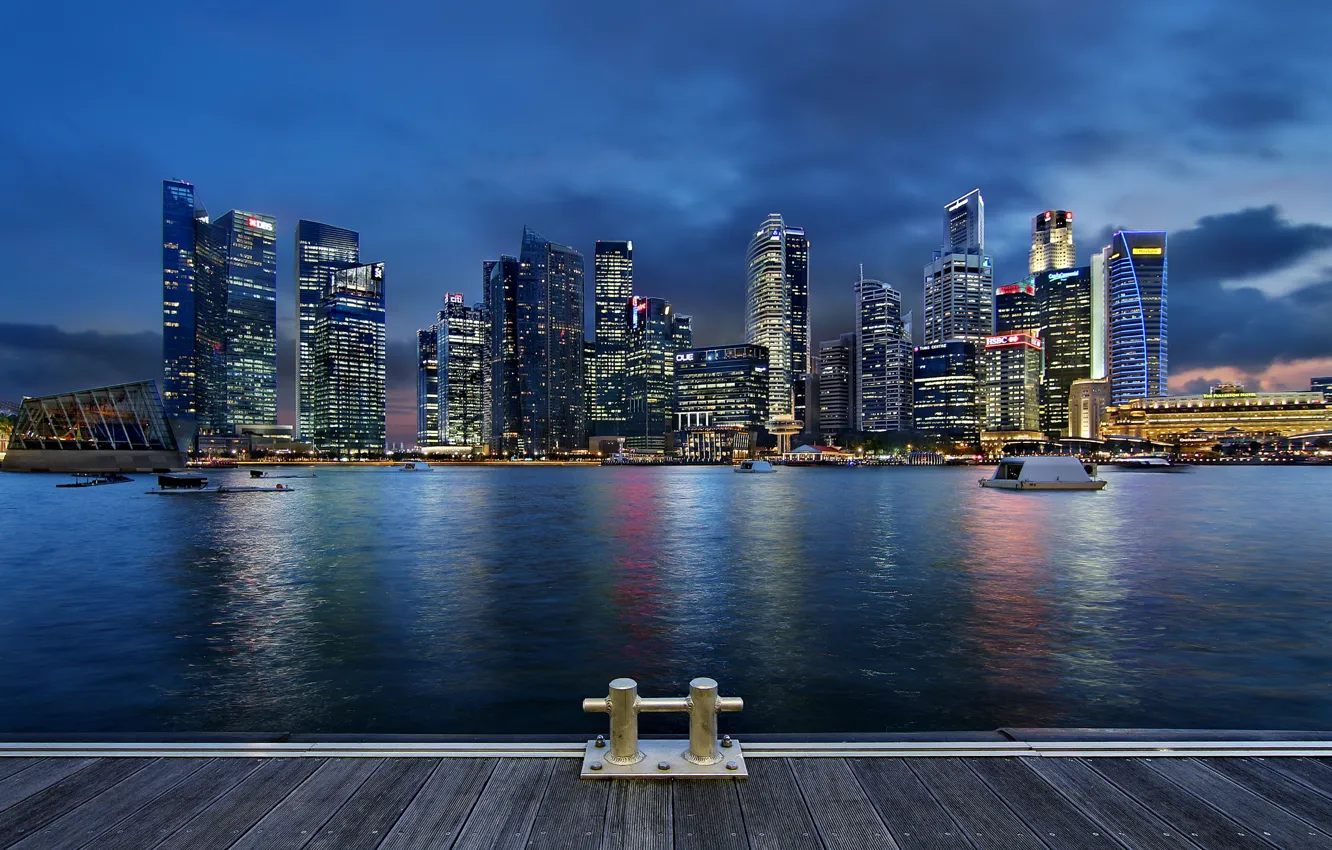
pixel 928 801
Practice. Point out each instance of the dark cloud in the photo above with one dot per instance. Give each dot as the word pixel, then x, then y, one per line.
pixel 42 359
pixel 1239 245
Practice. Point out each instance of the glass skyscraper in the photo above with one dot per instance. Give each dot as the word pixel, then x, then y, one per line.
pixel 501 309
pixel 461 346
pixel 550 347
pixel 613 273
pixel 778 286
pixel 654 333
pixel 883 359
pixel 1066 317
pixel 947 403
pixel 959 281
pixel 797 281
pixel 721 386
pixel 1016 309
pixel 1011 376
pixel 1136 272
pixel 182 215
pixel 349 396
pixel 427 384
pixel 321 249
pixel 837 402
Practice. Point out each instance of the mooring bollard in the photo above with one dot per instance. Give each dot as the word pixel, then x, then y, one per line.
pixel 627 754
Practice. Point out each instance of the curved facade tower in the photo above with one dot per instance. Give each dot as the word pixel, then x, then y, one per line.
pixel 768 310
pixel 1136 271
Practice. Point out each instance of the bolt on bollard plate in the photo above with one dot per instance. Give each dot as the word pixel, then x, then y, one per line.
pixel 671 751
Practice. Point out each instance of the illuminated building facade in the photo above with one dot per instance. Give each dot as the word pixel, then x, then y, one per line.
pixel 321 249
pixel 613 276
pixel 883 359
pixel 1015 308
pixel 1087 401
pixel 550 347
pixel 1136 278
pixel 427 384
pixel 959 282
pixel 1100 322
pixel 1066 330
pixel 797 282
pixel 654 334
pixel 1052 245
pixel 1226 412
pixel 349 400
pixel 182 216
pixel 947 402
pixel 501 310
pixel 725 385
pixel 1321 385
pixel 235 344
pixel 838 406
pixel 778 284
pixel 460 341
pixel 1011 373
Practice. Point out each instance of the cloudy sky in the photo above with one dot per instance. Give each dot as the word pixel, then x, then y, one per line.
pixel 439 129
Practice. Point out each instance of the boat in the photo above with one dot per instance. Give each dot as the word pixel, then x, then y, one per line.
pixel 1062 472
pixel 96 479
pixel 188 485
pixel 1151 463
pixel 416 466
pixel 260 473
pixel 754 466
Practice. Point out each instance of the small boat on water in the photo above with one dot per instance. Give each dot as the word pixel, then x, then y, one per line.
pixel 96 479
pixel 261 473
pixel 188 485
pixel 1151 463
pixel 754 466
pixel 414 466
pixel 1062 472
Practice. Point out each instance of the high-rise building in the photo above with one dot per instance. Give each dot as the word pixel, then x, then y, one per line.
pixel 654 334
pixel 1011 373
pixel 838 406
pixel 321 249
pixel 1321 385
pixel 1066 308
pixel 506 400
pixel 883 360
pixel 461 346
pixel 613 275
pixel 1136 272
pixel 235 307
pixel 947 403
pixel 797 281
pixel 768 307
pixel 427 385
pixel 1015 308
pixel 1100 325
pixel 349 397
pixel 724 385
pixel 550 346
pixel 182 215
pixel 1052 245
pixel 959 281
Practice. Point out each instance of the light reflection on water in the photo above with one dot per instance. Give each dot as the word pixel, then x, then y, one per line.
pixel 492 600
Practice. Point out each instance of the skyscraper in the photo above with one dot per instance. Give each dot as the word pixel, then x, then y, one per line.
pixel 964 225
pixel 461 344
pixel 959 281
pixel 348 381
pixel 721 386
pixel 427 384
pixel 1136 272
pixel 1052 245
pixel 1011 373
pixel 1066 312
pixel 838 406
pixel 613 275
pixel 506 400
pixel 797 281
pixel 321 249
pixel 1015 308
pixel 1100 325
pixel 550 346
pixel 883 359
pixel 654 334
pixel 235 306
pixel 182 215
pixel 947 404
pixel 776 264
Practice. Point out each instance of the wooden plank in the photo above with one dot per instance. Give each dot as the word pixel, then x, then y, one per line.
pixel 1253 812
pixel 1187 814
pixel 436 814
pixel 98 814
pixel 34 778
pixel 502 817
pixel 367 817
pixel 639 816
pixel 1050 815
pixel 159 818
pixel 573 812
pixel 1102 801
pixel 911 813
pixel 37 810
pixel 983 816
pixel 845 817
pixel 293 821
pixel 229 816
pixel 1308 771
pixel 706 815
pixel 775 813
pixel 9 767
pixel 1291 794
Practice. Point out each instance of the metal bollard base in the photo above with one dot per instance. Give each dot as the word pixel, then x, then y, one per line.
pixel 670 753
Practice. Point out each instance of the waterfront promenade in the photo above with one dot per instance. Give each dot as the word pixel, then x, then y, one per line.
pixel 1010 789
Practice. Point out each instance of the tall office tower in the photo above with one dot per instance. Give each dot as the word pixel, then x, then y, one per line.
pixel 613 275
pixel 182 215
pixel 349 401
pixel 550 346
pixel 652 338
pixel 797 283
pixel 1136 274
pixel 427 384
pixel 1100 322
pixel 721 386
pixel 1052 246
pixel 1066 303
pixel 1015 308
pixel 1011 375
pixel 235 307
pixel 461 343
pixel 321 249
pixel 837 402
pixel 506 400
pixel 959 281
pixel 947 404
pixel 883 359
pixel 768 310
